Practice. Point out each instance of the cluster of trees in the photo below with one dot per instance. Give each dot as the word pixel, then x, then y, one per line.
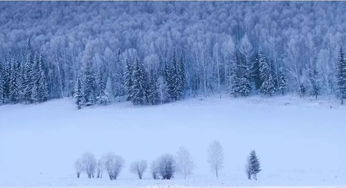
pixel 165 167
pixel 110 163
pixel 23 78
pixel 157 52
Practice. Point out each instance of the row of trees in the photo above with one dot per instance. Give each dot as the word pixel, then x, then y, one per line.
pixel 157 52
pixel 164 167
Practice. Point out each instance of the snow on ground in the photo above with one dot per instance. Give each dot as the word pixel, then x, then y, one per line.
pixel 300 142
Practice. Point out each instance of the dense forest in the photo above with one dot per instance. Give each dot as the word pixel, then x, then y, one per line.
pixel 158 52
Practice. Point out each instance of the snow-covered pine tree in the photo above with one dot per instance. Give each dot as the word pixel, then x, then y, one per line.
pixel 162 88
pixel 1 84
pixel 103 97
pixel 266 75
pixel 89 84
pixel 153 89
pixel 139 87
pixel 15 77
pixel 78 94
pixel 341 76
pixel 170 80
pixel 253 165
pixel 180 82
pixel 128 79
pixel 240 77
pixel 281 82
pixel 255 73
pixel 28 78
pixel 6 74
pixel 42 87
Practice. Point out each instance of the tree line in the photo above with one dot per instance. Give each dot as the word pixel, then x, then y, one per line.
pixel 165 167
pixel 25 79
pixel 158 52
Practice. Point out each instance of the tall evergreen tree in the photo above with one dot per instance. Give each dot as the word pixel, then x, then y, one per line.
pixel 281 83
pixel 78 94
pixel 128 79
pixel 180 78
pixel 266 75
pixel 28 78
pixel 314 80
pixel 240 77
pixel 15 79
pixel 90 86
pixel 1 84
pixel 139 85
pixel 255 72
pixel 41 93
pixel 253 166
pixel 153 90
pixel 341 76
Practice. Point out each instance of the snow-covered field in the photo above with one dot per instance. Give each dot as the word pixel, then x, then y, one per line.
pixel 300 142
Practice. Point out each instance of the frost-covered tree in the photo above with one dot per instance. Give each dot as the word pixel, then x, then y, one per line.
pixel 113 165
pixel 79 167
pixel 212 52
pixel 88 162
pixel 167 166
pixel 78 95
pixel 140 85
pixel 266 75
pixel 314 79
pixel 253 166
pixel 241 85
pixel 138 168
pixel 281 83
pixel 100 168
pixel 155 170
pixel 185 164
pixel 215 157
pixel 341 76
pixel 41 93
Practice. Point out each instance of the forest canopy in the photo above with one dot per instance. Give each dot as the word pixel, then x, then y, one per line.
pixel 157 52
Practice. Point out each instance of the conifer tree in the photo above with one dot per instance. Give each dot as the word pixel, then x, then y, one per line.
pixel 153 90
pixel 281 83
pixel 1 84
pixel 255 73
pixel 15 77
pixel 139 85
pixel 89 84
pixel 341 76
pixel 314 81
pixel 266 76
pixel 42 87
pixel 128 79
pixel 253 166
pixel 78 94
pixel 240 77
pixel 28 78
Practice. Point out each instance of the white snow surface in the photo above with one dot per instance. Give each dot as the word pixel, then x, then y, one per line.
pixel 300 142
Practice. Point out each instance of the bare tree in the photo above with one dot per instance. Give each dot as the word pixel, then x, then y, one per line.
pixel 154 167
pixel 139 168
pixel 88 162
pixel 78 167
pixel 113 165
pixel 100 167
pixel 184 163
pixel 215 157
pixel 167 166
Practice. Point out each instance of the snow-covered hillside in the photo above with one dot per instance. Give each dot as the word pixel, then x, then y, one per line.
pixel 298 141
